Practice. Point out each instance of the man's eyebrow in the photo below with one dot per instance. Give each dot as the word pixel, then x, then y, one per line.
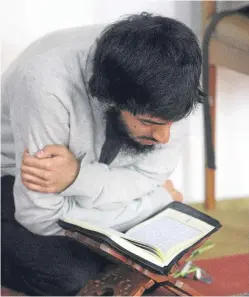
pixel 153 122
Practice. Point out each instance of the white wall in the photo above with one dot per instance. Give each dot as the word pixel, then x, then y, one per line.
pixel 232 157
pixel 25 20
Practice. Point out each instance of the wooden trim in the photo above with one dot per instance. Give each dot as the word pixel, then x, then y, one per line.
pixel 208 8
pixel 210 173
pixel 210 189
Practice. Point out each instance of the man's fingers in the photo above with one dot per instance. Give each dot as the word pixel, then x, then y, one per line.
pixel 39 173
pixel 169 185
pixel 43 155
pixel 54 150
pixel 26 178
pixel 38 188
pixel 38 163
pixel 178 196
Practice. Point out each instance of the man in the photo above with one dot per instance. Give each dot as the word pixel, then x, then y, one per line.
pixel 103 128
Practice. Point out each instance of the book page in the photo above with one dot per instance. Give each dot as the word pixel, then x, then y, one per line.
pixel 116 237
pixel 169 232
pixel 164 233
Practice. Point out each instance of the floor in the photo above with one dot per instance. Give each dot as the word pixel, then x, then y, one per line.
pixel 233 237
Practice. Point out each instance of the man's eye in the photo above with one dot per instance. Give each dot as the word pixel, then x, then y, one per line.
pixel 145 123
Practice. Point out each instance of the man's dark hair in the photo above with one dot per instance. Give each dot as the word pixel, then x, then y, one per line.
pixel 148 64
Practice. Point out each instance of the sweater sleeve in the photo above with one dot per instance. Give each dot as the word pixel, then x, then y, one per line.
pixel 37 119
pixel 103 184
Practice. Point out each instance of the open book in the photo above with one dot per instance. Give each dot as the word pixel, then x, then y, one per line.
pixel 158 242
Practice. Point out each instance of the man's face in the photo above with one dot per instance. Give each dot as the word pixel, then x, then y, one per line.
pixel 146 130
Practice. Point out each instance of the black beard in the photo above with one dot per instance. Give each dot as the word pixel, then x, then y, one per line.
pixel 121 134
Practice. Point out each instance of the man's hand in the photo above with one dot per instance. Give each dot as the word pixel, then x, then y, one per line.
pixel 51 170
pixel 169 187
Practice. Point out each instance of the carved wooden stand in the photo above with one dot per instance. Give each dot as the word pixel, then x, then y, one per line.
pixel 117 281
pixel 129 278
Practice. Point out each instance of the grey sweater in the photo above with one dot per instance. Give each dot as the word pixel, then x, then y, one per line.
pixel 45 101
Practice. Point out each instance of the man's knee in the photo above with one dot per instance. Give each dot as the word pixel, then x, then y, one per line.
pixel 51 265
pixel 69 285
pixel 72 279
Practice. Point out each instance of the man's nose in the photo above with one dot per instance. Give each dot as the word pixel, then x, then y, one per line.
pixel 162 134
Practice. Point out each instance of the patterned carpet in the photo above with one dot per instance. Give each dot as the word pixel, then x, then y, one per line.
pixel 228 280
pixel 230 276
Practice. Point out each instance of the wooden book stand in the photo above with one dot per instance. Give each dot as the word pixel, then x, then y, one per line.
pixel 127 278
